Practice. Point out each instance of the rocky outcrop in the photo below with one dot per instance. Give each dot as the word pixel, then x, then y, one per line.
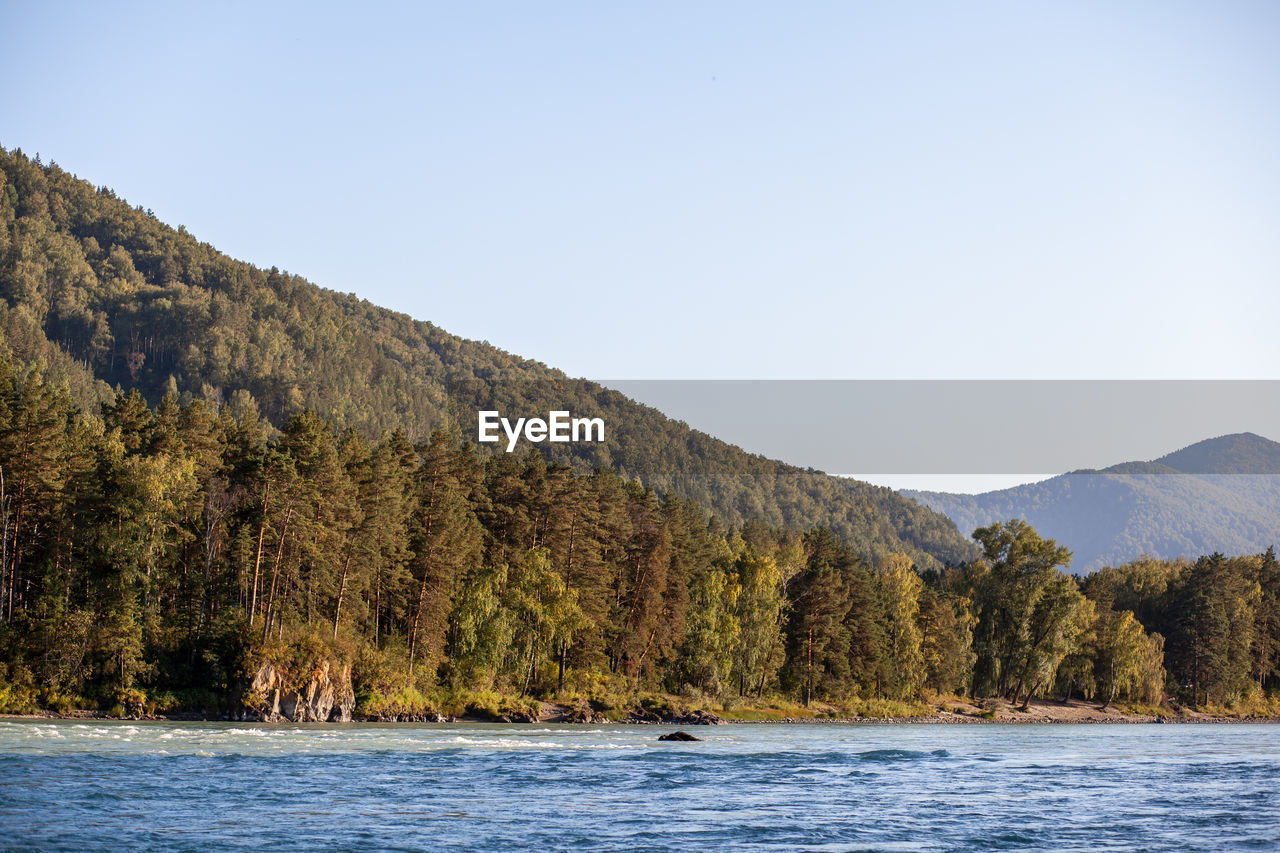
pixel 322 693
pixel 699 717
pixel 427 717
pixel 581 711
pixel 476 713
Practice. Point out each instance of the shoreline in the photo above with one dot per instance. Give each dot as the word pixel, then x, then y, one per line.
pixel 1039 712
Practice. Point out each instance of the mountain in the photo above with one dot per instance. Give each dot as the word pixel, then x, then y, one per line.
pixel 1222 494
pixel 1243 453
pixel 102 296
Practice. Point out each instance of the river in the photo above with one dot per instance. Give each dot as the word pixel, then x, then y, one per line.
pixel 96 785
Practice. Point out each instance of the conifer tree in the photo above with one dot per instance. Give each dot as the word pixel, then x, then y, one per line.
pixel 445 540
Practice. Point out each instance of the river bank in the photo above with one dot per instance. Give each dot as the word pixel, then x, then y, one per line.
pixel 953 712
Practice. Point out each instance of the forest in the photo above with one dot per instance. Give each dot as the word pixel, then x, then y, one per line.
pixel 206 466
pixel 104 296
pixel 155 556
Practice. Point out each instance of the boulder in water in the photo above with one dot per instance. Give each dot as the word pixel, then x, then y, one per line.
pixel 678 736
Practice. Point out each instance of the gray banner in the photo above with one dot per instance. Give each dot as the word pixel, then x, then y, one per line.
pixel 948 427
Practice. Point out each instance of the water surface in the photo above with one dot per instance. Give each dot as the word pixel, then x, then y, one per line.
pixel 71 785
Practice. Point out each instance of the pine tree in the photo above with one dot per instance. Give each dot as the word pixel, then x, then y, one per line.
pixel 818 643
pixel 445 539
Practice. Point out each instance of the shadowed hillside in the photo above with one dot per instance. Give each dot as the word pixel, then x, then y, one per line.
pixel 104 296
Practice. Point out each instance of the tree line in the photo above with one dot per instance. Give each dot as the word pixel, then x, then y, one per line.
pixel 165 550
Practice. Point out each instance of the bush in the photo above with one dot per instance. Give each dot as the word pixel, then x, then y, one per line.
pixel 59 702
pixel 132 700
pixel 889 708
pixel 18 699
pixel 372 703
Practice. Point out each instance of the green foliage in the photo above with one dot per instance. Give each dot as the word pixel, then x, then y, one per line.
pixel 900 588
pixel 18 699
pixel 820 640
pixel 1125 660
pixel 1215 620
pixel 761 610
pixel 712 632
pixel 188 550
pixel 1029 614
pixel 404 702
pixel 946 645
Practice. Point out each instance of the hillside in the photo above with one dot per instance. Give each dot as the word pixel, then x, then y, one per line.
pixel 1216 495
pixel 103 296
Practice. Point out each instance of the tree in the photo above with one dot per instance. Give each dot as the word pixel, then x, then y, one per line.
pixel 1266 654
pixel 712 632
pixel 378 551
pixel 817 636
pixel 137 523
pixel 639 632
pixel 946 645
pixel 544 612
pixel 761 602
pixel 1027 613
pixel 445 541
pixel 900 587
pixel 1214 630
pixel 35 458
pixel 1126 660
pixel 1053 630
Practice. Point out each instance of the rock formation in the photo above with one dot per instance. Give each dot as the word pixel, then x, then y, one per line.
pixel 322 693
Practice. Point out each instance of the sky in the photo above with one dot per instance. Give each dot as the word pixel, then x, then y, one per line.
pixel 999 190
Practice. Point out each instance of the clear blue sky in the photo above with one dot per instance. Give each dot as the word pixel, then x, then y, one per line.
pixel 903 190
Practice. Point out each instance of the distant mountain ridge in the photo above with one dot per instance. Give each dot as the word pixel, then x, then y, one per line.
pixel 102 295
pixel 1241 453
pixel 1221 494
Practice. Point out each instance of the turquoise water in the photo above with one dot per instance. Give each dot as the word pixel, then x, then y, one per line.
pixel 71 785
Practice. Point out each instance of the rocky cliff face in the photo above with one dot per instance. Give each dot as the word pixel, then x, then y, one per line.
pixel 320 694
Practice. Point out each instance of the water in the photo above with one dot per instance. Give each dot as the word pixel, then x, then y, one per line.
pixel 71 785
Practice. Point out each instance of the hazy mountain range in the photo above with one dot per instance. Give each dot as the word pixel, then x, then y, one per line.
pixel 1222 494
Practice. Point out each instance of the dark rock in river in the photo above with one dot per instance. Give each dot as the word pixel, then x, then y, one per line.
pixel 678 736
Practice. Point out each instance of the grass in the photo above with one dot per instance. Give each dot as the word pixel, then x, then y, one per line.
pixel 1253 706
pixel 394 703
pixel 756 715
pixel 488 704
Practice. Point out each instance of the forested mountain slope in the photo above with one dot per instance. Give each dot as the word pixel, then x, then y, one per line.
pixel 1222 494
pixel 103 296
